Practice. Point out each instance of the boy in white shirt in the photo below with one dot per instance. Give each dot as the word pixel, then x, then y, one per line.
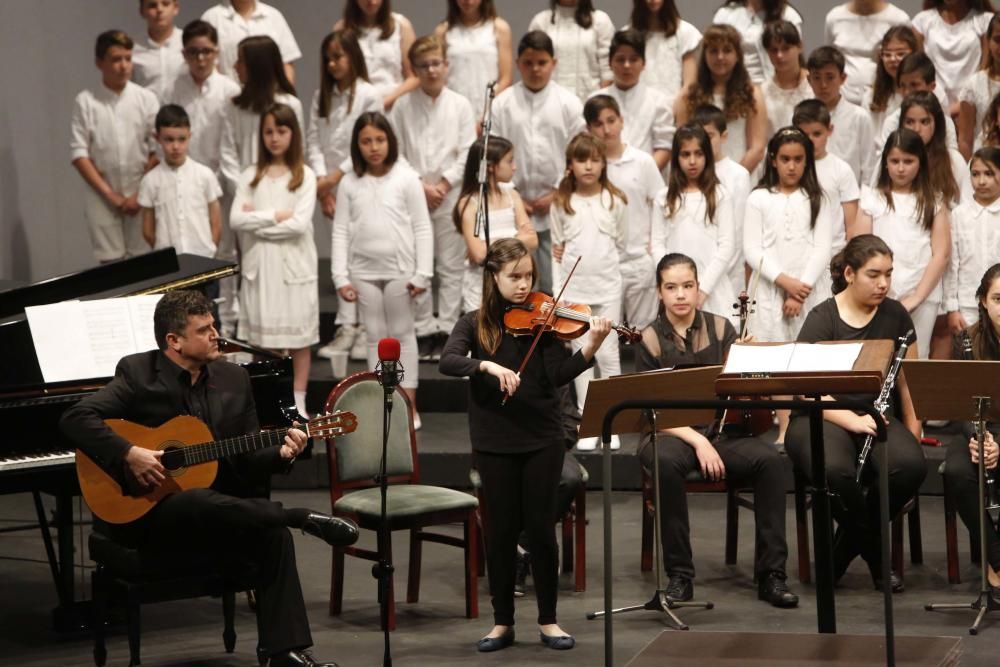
pixel 435 127
pixel 112 147
pixel 650 124
pixel 916 74
pixel 637 174
pixel 158 59
pixel 180 197
pixel 236 20
pixel 835 176
pixel 733 176
pixel 539 117
pixel 852 124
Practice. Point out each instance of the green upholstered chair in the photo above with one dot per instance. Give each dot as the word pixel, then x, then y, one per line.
pixel 354 461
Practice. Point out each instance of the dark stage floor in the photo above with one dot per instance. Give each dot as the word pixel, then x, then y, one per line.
pixel 434 631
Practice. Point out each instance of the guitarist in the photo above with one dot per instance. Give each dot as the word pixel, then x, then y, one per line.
pixel 232 519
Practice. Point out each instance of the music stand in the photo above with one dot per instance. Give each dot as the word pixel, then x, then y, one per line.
pixel 687 383
pixel 960 391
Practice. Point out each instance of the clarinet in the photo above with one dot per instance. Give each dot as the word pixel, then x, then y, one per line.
pixel 990 497
pixel 882 402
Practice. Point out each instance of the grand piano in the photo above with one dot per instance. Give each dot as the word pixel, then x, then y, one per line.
pixel 34 456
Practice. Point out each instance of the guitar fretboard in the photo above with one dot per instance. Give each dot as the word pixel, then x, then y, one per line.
pixel 217 449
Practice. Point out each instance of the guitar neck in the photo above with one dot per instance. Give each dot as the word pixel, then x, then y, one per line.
pixel 217 449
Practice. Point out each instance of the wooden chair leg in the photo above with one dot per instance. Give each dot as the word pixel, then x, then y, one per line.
pixel 580 525
pixel 413 578
pixel 916 539
pixel 802 533
pixel 567 540
pixel 134 626
pixel 472 545
pixel 336 581
pixel 732 526
pixel 951 539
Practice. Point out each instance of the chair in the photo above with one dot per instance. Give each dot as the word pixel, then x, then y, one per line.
pixel 574 530
pixel 951 534
pixel 122 574
pixel 911 510
pixel 354 462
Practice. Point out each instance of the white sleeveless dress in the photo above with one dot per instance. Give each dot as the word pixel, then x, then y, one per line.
pixel 383 57
pixel 502 226
pixel 472 60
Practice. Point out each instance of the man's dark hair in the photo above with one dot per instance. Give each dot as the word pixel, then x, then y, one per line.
pixel 172 312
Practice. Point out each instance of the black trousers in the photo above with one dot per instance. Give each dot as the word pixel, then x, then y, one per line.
pixel 748 461
pixel 520 493
pixel 856 512
pixel 245 532
pixel 962 484
pixel 570 481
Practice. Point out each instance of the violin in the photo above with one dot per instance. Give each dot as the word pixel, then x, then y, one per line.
pixel 540 312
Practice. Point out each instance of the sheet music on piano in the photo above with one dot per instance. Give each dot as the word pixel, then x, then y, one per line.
pixel 76 340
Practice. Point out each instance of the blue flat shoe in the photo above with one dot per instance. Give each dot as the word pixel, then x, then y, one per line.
pixel 489 644
pixel 560 643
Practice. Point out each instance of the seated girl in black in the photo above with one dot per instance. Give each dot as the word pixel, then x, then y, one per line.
pixel 962 469
pixel 518 446
pixel 860 310
pixel 682 334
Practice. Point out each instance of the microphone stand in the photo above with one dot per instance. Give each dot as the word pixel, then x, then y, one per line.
pixel 383 569
pixel 483 207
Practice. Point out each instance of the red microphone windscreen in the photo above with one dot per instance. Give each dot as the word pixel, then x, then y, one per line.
pixel 388 349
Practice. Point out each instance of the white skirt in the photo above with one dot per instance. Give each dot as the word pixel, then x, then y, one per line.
pixel 278 314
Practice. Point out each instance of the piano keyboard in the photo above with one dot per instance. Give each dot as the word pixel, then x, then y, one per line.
pixel 49 459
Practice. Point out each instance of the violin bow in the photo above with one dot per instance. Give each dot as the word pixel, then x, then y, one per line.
pixel 541 328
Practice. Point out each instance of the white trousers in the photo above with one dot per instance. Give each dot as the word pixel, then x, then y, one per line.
pixel 607 359
pixel 112 235
pixel 639 298
pixel 923 324
pixel 449 267
pixel 387 310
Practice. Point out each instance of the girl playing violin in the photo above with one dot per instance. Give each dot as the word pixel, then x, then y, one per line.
pixel 684 334
pixel 517 446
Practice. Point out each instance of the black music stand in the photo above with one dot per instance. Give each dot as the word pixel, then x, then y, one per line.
pixel 960 391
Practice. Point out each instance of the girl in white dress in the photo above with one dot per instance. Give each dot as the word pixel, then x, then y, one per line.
pixel 953 35
pixel 975 241
pixel 723 81
pixel 589 220
pixel 385 38
pixel 907 213
pixel 882 97
pixel 671 45
pixel 948 173
pixel 507 215
pixel 383 246
pixel 749 17
pixel 272 217
pixel 581 36
pixel 695 213
pixel 978 91
pixel 856 28
pixel 480 50
pixel 789 84
pixel 262 74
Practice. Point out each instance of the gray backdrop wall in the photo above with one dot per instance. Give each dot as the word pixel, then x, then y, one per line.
pixel 47 48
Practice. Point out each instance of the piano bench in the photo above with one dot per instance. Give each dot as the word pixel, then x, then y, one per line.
pixel 125 574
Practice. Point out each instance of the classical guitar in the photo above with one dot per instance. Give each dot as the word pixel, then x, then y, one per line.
pixel 190 458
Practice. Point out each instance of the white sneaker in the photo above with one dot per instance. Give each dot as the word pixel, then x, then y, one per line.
pixel 587 444
pixel 359 348
pixel 342 341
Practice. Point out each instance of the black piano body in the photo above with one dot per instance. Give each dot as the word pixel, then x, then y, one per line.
pixel 34 456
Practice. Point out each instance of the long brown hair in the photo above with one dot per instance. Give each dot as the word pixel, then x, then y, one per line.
pixel 738 100
pixel 265 74
pixel 354 18
pixel 284 116
pixel 487 12
pixel 584 14
pixel 708 182
pixel 985 344
pixel 581 147
pixel 668 17
pixel 348 43
pixel 909 141
pixel 938 158
pixel 809 183
pixel 974 5
pixel 885 84
pixel 489 319
pixel 990 128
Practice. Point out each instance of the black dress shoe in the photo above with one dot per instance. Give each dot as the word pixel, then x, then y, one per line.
pixel 558 642
pixel 298 659
pixel 333 530
pixel 680 588
pixel 490 644
pixel 895 582
pixel 773 589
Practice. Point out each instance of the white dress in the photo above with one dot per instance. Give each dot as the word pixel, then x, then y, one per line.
pixel 473 60
pixel 502 226
pixel 735 146
pixel 954 48
pixel 711 244
pixel 383 57
pixel 858 38
pixel 780 103
pixel 979 90
pixel 750 25
pixel 582 53
pixel 665 56
pixel 778 238
pixel 279 298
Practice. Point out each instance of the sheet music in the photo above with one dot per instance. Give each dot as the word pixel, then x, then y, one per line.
pixel 758 358
pixel 791 357
pixel 75 340
pixel 807 358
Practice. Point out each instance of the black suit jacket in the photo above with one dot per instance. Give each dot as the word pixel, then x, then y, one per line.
pixel 146 389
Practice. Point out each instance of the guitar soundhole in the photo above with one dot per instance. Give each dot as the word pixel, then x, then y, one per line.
pixel 173 458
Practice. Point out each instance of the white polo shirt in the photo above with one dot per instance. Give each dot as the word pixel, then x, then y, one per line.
pixel 233 28
pixel 206 107
pixel 180 197
pixel 157 65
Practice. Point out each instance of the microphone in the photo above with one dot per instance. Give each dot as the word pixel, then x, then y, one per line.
pixel 388 370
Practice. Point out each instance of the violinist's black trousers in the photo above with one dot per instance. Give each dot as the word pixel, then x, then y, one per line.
pixel 749 462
